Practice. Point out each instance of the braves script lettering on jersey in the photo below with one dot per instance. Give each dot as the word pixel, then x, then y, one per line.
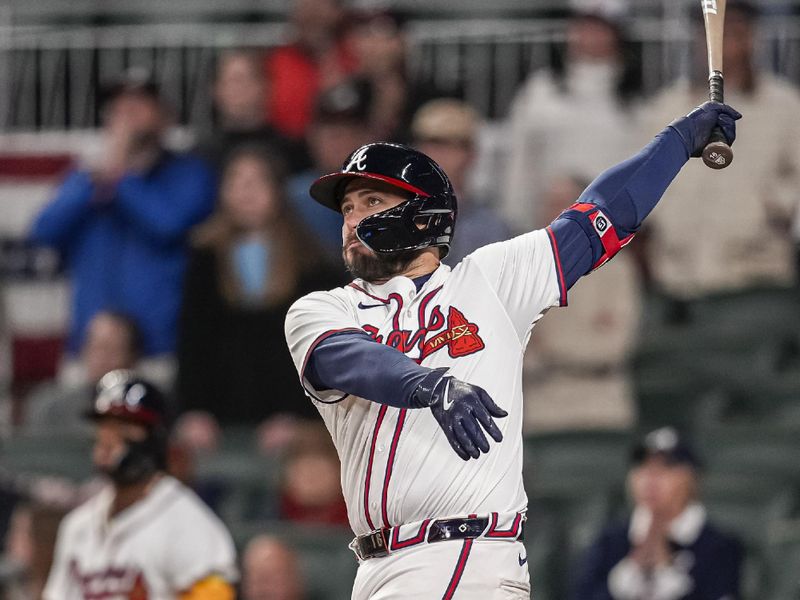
pixel 154 550
pixel 397 466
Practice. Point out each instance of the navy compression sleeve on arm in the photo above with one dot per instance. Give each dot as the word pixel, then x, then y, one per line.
pixel 612 208
pixel 356 364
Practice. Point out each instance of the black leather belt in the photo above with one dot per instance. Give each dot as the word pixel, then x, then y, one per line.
pixel 375 544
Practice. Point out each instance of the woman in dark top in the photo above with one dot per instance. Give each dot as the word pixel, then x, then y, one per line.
pixel 249 261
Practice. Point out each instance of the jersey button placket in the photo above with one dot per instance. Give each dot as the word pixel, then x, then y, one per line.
pixel 379 471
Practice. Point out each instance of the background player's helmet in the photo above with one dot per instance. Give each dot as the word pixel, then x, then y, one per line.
pixel 428 218
pixel 121 394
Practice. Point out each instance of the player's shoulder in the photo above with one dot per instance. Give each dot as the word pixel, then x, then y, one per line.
pixel 182 509
pixel 535 238
pixel 88 511
pixel 185 504
pixel 334 299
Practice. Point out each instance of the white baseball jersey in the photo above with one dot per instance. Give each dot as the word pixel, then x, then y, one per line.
pixel 153 550
pixel 397 465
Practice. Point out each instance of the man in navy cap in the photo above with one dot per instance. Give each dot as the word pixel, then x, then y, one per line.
pixel 667 550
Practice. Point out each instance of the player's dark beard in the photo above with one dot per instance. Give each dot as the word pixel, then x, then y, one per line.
pixel 375 267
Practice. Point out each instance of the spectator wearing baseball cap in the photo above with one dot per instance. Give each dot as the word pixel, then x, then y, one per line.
pixel 667 549
pixel 122 223
pixel 341 122
pixel 380 41
pixel 447 130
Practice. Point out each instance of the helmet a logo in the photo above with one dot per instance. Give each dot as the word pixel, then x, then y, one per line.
pixel 358 160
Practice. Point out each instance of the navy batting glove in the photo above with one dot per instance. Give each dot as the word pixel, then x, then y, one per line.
pixel 461 409
pixel 696 127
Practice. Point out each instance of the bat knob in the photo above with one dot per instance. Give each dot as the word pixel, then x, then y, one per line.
pixel 717 155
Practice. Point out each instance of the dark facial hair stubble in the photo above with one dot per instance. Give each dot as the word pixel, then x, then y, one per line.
pixel 375 267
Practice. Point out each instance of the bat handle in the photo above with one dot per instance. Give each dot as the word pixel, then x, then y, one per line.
pixel 717 154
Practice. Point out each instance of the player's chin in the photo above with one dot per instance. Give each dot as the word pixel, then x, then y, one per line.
pixel 373 267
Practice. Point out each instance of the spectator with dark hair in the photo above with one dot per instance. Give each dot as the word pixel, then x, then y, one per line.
pixel 378 38
pixel 341 123
pixel 270 571
pixel 317 58
pixel 447 131
pixel 113 341
pixel 248 262
pixel 240 89
pixel 746 215
pixel 667 549
pixel 574 118
pixel 122 226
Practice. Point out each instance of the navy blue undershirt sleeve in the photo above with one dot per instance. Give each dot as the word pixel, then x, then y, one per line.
pixel 356 364
pixel 626 192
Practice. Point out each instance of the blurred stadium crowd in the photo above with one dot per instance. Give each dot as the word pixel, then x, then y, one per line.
pixel 156 217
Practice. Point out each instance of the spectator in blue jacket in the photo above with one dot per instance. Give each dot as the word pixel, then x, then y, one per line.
pixel 667 550
pixel 122 226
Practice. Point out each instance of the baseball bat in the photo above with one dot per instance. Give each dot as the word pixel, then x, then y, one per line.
pixel 717 154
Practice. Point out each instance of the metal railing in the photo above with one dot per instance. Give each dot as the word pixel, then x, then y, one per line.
pixel 49 77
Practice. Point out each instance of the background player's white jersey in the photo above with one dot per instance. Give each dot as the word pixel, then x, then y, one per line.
pixel 153 550
pixel 397 465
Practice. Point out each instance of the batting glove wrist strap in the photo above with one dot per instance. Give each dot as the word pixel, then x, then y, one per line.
pixel 423 394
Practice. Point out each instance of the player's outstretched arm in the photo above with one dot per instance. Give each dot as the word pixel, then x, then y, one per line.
pixel 611 210
pixel 354 363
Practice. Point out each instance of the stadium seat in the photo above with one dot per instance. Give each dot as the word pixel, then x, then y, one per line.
pixel 783 560
pixel 249 483
pixel 748 506
pixel 49 454
pixel 581 459
pixel 542 540
pixel 734 345
pixel 751 449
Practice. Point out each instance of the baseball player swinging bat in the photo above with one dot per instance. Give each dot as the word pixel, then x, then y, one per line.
pixel 717 153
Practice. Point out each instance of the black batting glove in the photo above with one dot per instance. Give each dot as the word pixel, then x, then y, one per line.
pixel 461 409
pixel 696 127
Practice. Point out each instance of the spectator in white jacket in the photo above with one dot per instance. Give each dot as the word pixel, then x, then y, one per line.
pixel 574 118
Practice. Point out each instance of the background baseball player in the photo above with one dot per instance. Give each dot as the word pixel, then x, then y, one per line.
pixel 146 536
pixel 413 357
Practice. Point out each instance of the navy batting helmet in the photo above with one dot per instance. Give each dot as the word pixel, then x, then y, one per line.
pixel 426 219
pixel 122 394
